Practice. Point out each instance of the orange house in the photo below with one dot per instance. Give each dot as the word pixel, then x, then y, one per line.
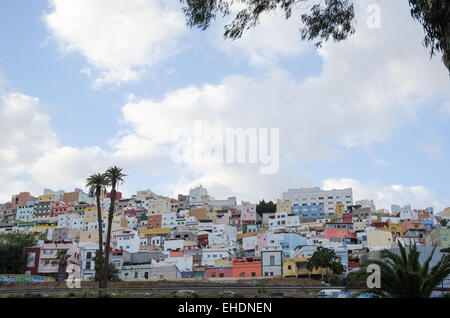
pixel 411 225
pixel 154 221
pixel 338 230
pixel 246 267
pixel 200 214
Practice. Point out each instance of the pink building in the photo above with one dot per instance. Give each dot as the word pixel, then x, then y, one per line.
pixel 212 272
pixel 261 241
pixel 61 207
pixel 248 213
pixel 48 262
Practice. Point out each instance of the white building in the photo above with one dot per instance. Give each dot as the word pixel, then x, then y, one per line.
pixel 368 204
pixel 272 262
pixel 230 202
pixel 250 243
pixel 169 220
pixel 87 251
pixel 70 221
pixel 316 196
pixel 209 255
pixel 105 204
pixel 223 234
pixel 174 245
pixel 197 195
pixel 191 221
pixel 183 263
pixel 129 241
pixel 405 212
pixel 157 241
pixel 283 221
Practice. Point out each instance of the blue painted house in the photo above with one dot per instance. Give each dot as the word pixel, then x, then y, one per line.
pixel 290 242
pixel 309 211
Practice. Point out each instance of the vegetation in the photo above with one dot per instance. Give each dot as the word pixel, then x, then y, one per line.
pixel 264 207
pixel 114 177
pixel 403 276
pixel 321 21
pixel 262 290
pixel 327 260
pixel 97 187
pixel 12 251
pixel 62 256
pixel 443 222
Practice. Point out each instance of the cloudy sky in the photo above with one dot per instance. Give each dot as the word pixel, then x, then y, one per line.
pixel 86 84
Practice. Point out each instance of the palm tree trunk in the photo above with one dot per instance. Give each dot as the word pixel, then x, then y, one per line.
pixel 100 240
pixel 108 236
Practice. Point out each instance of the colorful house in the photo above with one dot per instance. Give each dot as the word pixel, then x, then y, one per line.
pixel 61 207
pixel 338 230
pixel 284 206
pixel 246 267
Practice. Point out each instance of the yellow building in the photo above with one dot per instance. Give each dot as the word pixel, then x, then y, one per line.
pixel 46 198
pixel 89 236
pixel 379 239
pixel 223 263
pixel 340 210
pixel 394 228
pixel 158 231
pixel 158 206
pixel 140 195
pixel 90 215
pixel 284 206
pixel 297 267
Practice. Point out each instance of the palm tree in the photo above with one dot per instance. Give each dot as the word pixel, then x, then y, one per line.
pixel 403 276
pixel 114 176
pixel 62 257
pixel 97 186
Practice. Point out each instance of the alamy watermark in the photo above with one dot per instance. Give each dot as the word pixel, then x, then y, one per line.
pixel 374 279
pixel 205 143
pixel 373 21
pixel 74 279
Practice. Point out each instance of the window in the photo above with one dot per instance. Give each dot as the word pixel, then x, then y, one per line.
pixel 272 260
pixel 31 259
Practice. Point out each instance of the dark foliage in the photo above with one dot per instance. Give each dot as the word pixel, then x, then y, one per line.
pixel 329 18
pixel 12 251
pixel 264 207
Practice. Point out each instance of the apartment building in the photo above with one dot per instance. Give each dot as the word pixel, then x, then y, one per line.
pixel 315 196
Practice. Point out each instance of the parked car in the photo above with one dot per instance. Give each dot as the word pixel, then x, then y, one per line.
pixel 330 293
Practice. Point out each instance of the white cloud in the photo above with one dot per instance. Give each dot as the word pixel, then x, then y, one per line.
pixel 381 162
pixel 120 39
pixel 386 195
pixel 25 135
pixel 68 167
pixel 369 86
pixel 264 46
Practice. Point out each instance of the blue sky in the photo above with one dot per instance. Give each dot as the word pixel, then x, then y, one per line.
pixel 402 139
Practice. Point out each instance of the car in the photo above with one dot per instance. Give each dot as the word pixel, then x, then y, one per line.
pixel 330 293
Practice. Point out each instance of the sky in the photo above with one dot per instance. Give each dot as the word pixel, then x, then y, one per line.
pixel 87 84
